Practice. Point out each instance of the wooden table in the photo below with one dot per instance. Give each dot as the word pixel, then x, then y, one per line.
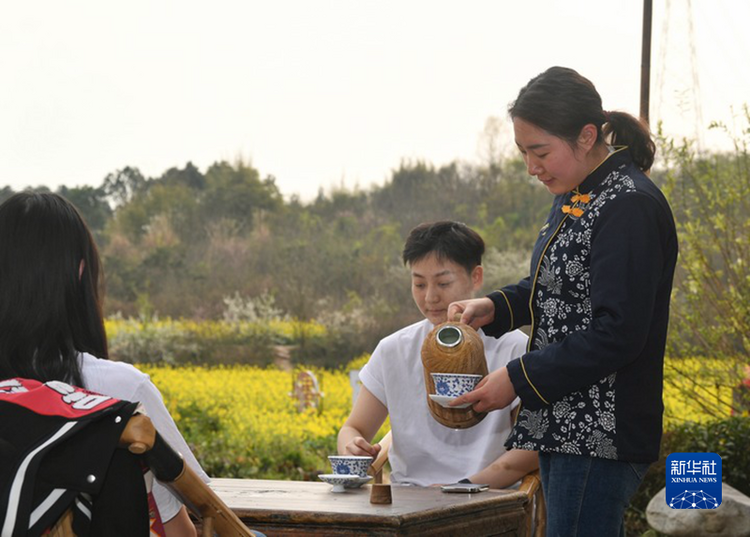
pixel 280 508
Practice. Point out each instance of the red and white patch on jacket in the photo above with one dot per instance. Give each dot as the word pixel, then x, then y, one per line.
pixel 53 398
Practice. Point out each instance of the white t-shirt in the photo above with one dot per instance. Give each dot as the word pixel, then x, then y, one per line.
pixel 424 452
pixel 123 381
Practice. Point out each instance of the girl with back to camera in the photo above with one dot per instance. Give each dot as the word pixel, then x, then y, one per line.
pixel 597 300
pixel 51 325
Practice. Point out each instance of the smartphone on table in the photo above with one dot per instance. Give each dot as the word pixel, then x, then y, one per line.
pixel 464 487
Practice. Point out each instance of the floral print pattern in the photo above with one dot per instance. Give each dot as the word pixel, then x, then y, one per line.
pixel 582 422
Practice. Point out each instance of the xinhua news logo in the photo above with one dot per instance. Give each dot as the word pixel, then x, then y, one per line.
pixel 693 481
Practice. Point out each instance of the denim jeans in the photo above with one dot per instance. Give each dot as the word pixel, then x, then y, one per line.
pixel 587 496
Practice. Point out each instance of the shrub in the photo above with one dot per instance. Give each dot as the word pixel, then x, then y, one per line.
pixel 696 390
pixel 350 331
pixel 710 316
pixel 728 438
pixel 185 342
pixel 149 340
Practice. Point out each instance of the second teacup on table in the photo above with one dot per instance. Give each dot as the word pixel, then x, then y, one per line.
pixel 454 384
pixel 350 464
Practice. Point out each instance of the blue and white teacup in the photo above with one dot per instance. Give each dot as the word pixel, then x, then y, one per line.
pixel 350 464
pixel 454 384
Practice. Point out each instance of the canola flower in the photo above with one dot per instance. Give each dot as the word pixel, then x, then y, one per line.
pixel 283 330
pixel 696 390
pixel 243 421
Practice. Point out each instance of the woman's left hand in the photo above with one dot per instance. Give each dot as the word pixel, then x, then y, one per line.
pixel 493 392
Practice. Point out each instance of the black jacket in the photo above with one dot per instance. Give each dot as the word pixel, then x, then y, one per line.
pixel 58 449
pixel 597 301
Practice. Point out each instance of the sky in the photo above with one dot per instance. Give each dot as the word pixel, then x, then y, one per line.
pixel 331 94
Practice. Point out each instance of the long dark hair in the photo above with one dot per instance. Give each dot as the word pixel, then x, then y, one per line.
pixel 50 310
pixel 562 102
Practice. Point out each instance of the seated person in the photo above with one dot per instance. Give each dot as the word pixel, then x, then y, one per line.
pixel 51 325
pixel 445 262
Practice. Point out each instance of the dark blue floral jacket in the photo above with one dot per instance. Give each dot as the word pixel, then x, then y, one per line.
pixel 597 301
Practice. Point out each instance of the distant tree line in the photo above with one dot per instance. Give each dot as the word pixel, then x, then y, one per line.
pixel 179 244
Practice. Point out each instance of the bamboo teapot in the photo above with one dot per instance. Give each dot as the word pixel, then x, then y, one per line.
pixel 453 347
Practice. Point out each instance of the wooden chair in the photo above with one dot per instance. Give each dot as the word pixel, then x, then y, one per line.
pixel 531 485
pixel 141 438
pixel 536 509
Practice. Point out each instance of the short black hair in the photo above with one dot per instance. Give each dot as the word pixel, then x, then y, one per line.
pixel 450 240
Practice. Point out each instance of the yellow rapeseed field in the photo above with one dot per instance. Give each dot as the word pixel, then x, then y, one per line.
pixel 214 330
pixel 242 421
pixel 697 389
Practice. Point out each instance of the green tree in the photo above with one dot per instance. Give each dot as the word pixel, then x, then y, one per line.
pixel 237 192
pixel 710 196
pixel 5 193
pixel 189 176
pixel 92 204
pixel 121 186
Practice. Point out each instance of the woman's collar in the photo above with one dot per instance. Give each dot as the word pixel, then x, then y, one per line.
pixel 601 170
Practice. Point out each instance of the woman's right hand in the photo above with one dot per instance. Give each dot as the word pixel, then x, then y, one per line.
pixel 476 312
pixel 360 447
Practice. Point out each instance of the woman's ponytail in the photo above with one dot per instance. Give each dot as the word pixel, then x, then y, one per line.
pixel 624 129
pixel 562 102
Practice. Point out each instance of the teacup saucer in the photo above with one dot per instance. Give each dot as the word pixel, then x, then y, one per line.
pixel 355 484
pixel 443 401
pixel 341 482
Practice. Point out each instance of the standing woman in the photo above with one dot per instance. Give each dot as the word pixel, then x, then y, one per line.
pixel 51 325
pixel 597 300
